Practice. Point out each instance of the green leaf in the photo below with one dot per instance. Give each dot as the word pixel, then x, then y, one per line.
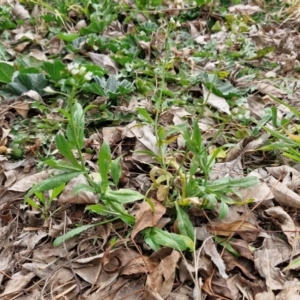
pixel 118 210
pixel 65 150
pixel 294 264
pixel 197 136
pixel 227 183
pixel 94 88
pixel 224 209
pixel 26 82
pixel 32 203
pixel 184 223
pixel 82 187
pixel 68 37
pixel 294 110
pixel 104 160
pixel 6 72
pixel 56 191
pixel 116 170
pixel 51 183
pixel 98 209
pixel 280 136
pixel 122 196
pixel 223 242
pixel 59 240
pixel 41 197
pixel 144 115
pixel 56 70
pixel 75 129
pixel 62 165
pixel 112 84
pixel 243 182
pixel 163 238
pixel 151 242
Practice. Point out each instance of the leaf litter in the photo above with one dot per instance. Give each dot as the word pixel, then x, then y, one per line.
pixel 159 150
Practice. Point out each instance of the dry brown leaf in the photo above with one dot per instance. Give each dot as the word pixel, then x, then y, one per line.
pixel 281 218
pixel 174 115
pixel 105 291
pixel 146 140
pixel 39 269
pixel 259 192
pixel 210 249
pixel 283 194
pixel 233 169
pixel 162 278
pixel 217 287
pixel 290 291
pixel 133 289
pixel 17 283
pixel 20 12
pixel 67 196
pixel 27 182
pixel 283 171
pixel 266 88
pixel 15 165
pixel 140 264
pixel 158 39
pixel 4 135
pixel 272 253
pixel 244 265
pixel 269 295
pixel 183 293
pixel 242 247
pixel 11 177
pixel 22 108
pixel 112 135
pixel 55 46
pixel 46 252
pixel 20 47
pixel 245 229
pixel 38 54
pixel 147 47
pixel 105 62
pixel 248 144
pixel 244 9
pixel 288 63
pixel 146 217
pixel 215 101
pixel 80 24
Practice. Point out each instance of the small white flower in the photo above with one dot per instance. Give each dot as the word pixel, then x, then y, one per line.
pixel 178 24
pixel 235 110
pixel 72 66
pixel 172 20
pixel 82 70
pixel 240 116
pixel 74 71
pixel 49 90
pixel 76 65
pixel 247 114
pixel 88 76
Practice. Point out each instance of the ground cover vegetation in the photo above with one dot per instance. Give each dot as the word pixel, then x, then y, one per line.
pixel 149 149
